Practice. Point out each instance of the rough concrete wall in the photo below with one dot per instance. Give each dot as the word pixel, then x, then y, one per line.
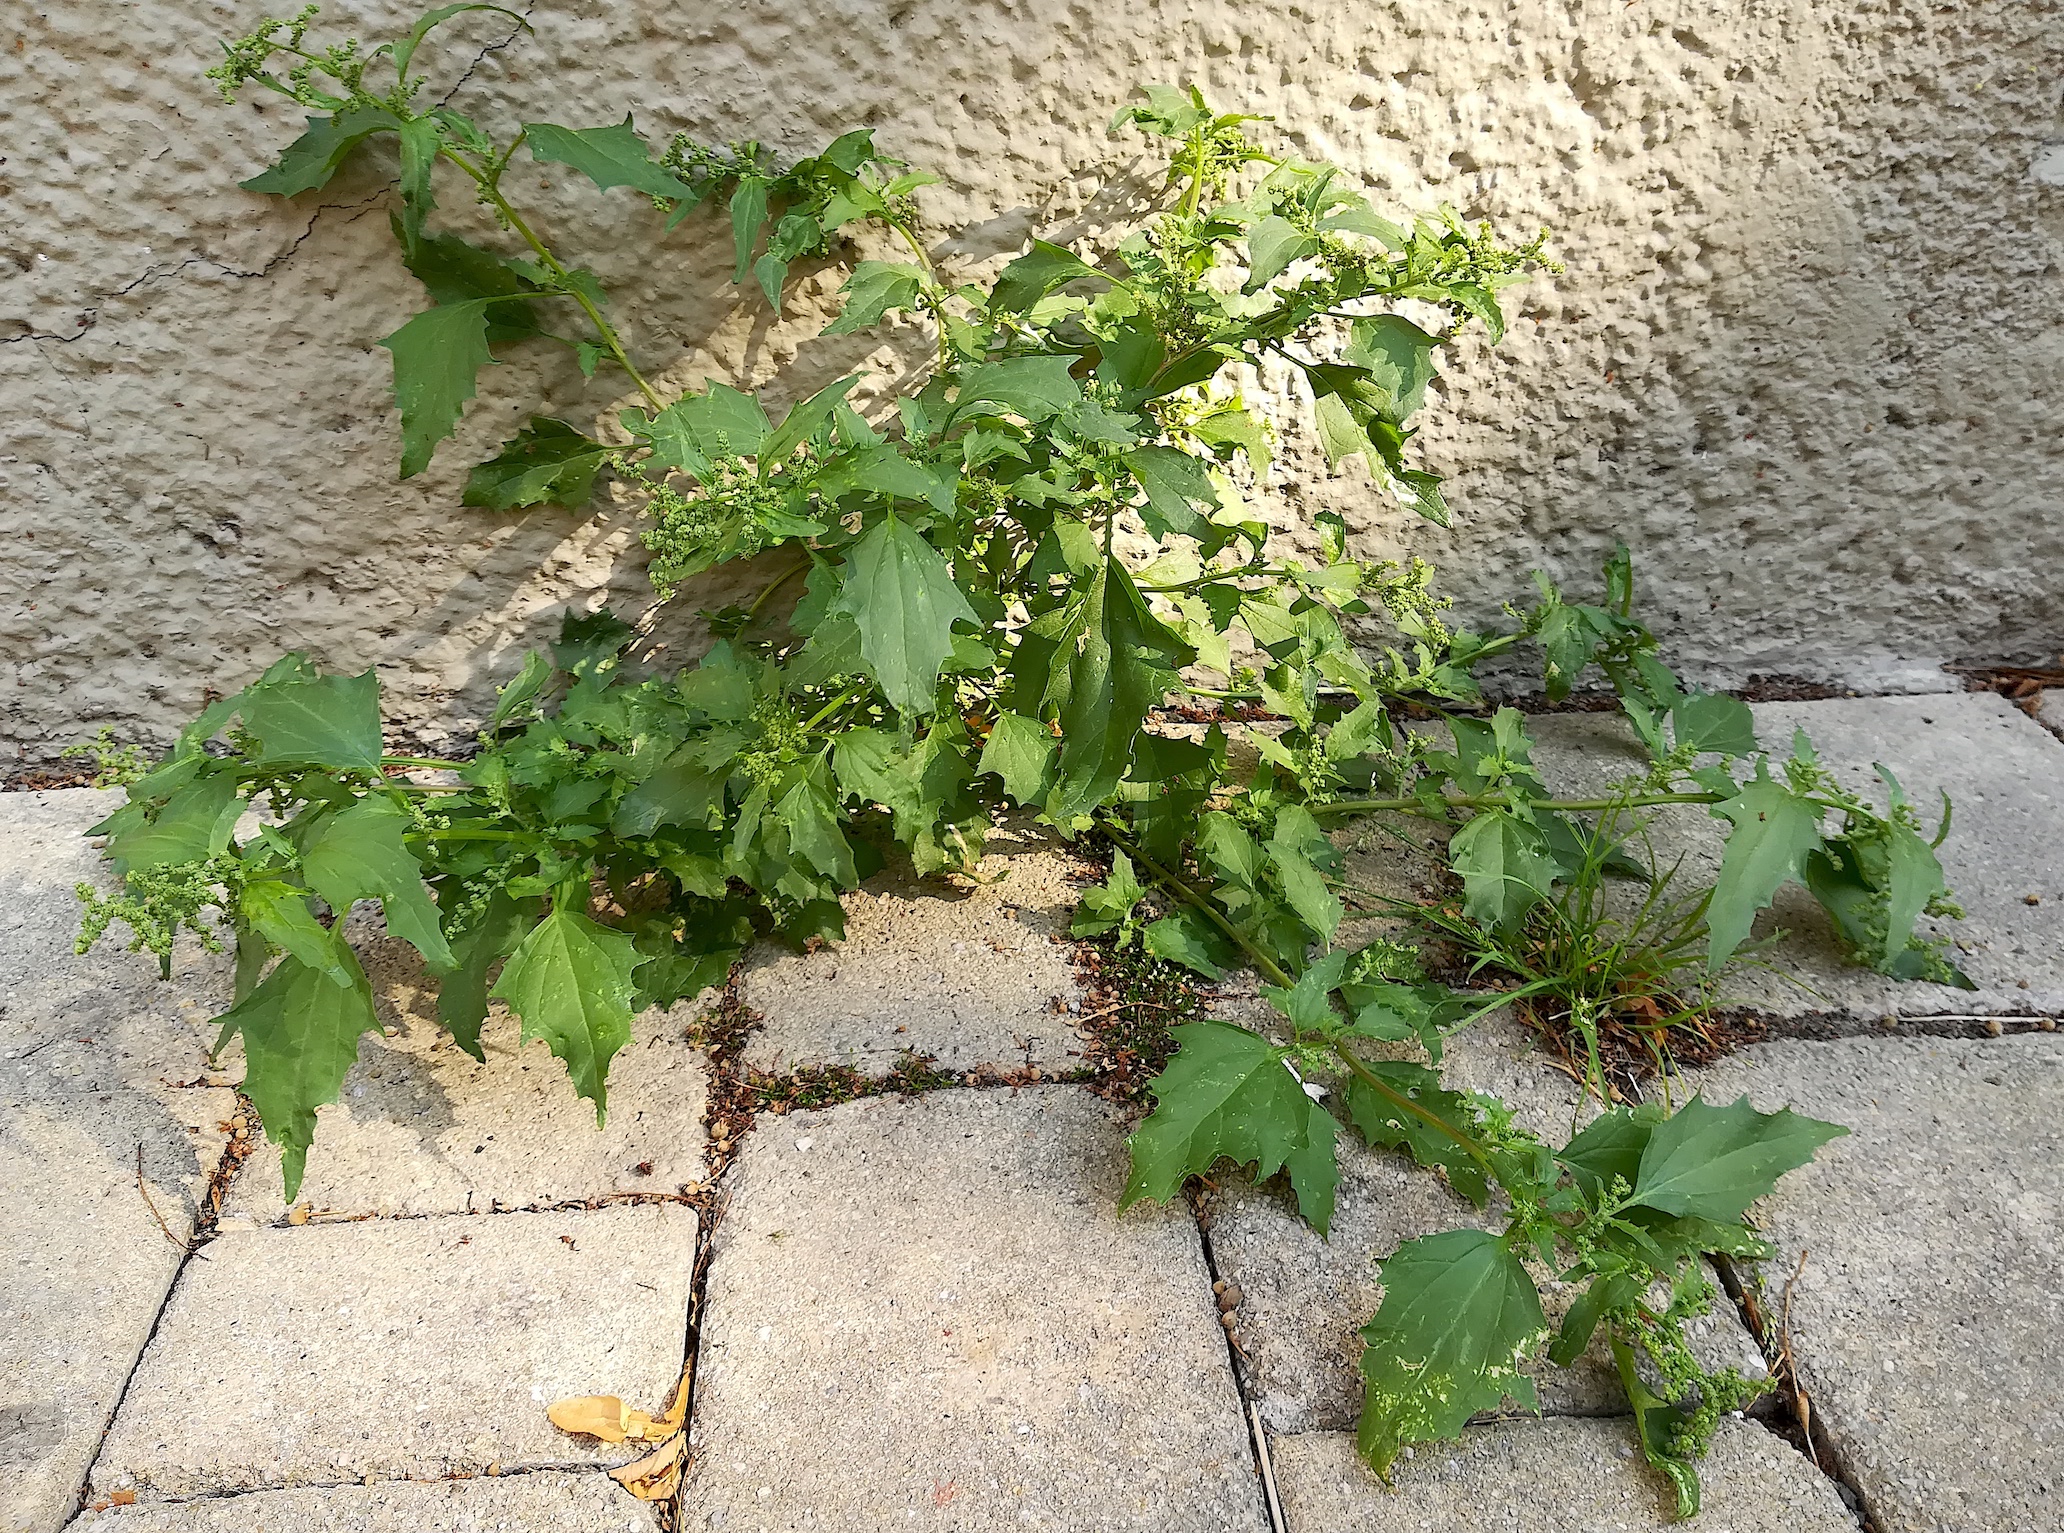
pixel 1802 358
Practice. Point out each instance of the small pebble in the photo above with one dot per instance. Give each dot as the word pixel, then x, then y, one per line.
pixel 2031 899
pixel 2049 1024
pixel 1993 1028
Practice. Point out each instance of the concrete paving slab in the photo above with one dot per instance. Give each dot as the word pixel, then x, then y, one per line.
pixel 406 1348
pixel 85 1271
pixel 520 1503
pixel 422 1128
pixel 971 974
pixel 1304 1298
pixel 105 1020
pixel 2003 772
pixel 928 1313
pixel 1926 1319
pixel 1558 1476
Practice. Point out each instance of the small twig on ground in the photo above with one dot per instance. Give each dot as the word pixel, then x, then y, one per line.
pixel 1801 1401
pixel 183 1248
pixel 1268 1470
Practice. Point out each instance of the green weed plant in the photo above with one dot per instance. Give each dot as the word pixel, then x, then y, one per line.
pixel 963 639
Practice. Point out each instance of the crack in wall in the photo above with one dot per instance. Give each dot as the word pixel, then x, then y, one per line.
pixel 90 315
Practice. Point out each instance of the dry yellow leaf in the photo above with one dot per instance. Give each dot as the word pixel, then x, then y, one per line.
pixel 657 1475
pixel 600 1416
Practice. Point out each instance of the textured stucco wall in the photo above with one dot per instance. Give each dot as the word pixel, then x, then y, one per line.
pixel 1804 357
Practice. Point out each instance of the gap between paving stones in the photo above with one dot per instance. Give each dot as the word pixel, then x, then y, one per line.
pixel 1793 1419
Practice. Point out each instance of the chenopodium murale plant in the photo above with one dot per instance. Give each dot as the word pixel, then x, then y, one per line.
pixel 958 635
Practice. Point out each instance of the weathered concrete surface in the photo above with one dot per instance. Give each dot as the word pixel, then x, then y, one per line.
pixel 2003 773
pixel 421 1128
pixel 1552 1477
pixel 1779 361
pixel 85 1271
pixel 411 1348
pixel 927 1313
pixel 1303 1297
pixel 969 974
pixel 99 1022
pixel 520 1503
pixel 1925 1321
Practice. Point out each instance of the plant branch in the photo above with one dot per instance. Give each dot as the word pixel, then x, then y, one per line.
pixel 490 190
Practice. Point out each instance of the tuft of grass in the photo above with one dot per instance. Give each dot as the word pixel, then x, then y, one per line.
pixel 1615 982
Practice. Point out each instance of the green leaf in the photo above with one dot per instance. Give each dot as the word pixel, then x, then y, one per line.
pixel 613 156
pixel 1914 878
pixel 1774 830
pixel 1021 751
pixel 316 155
pixel 493 935
pixel 1710 1162
pixel 801 422
pixel 814 835
pixel 1303 886
pixel 1173 481
pixel 1608 1292
pixel 1505 866
pixel 1110 903
pixel 358 854
pixel 1120 661
pixel 570 982
pixel 548 461
pixel 300 1035
pixel 1035 388
pixel 875 288
pixel 718 423
pixel 454 272
pixel 1459 1316
pixel 1187 938
pixel 1228 1094
pixel 883 470
pixel 327 721
pixel 405 50
pixel 1036 273
pixel 1169 113
pixel 419 144
pixel 902 597
pixel 748 217
pixel 279 912
pixel 195 824
pixel 1271 246
pixel 437 360
pixel 1399 358
pixel 1610 1149
pixel 517 696
pixel 1713 721
pixel 1387 1124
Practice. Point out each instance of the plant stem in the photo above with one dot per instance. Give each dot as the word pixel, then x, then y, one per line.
pixel 831 707
pixel 611 342
pixel 1202 904
pixel 429 763
pixel 752 613
pixel 1506 800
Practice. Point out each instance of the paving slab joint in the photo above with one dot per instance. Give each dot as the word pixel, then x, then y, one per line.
pixel 1227 1296
pixel 709 1214
pixel 1794 1418
pixel 240 1140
